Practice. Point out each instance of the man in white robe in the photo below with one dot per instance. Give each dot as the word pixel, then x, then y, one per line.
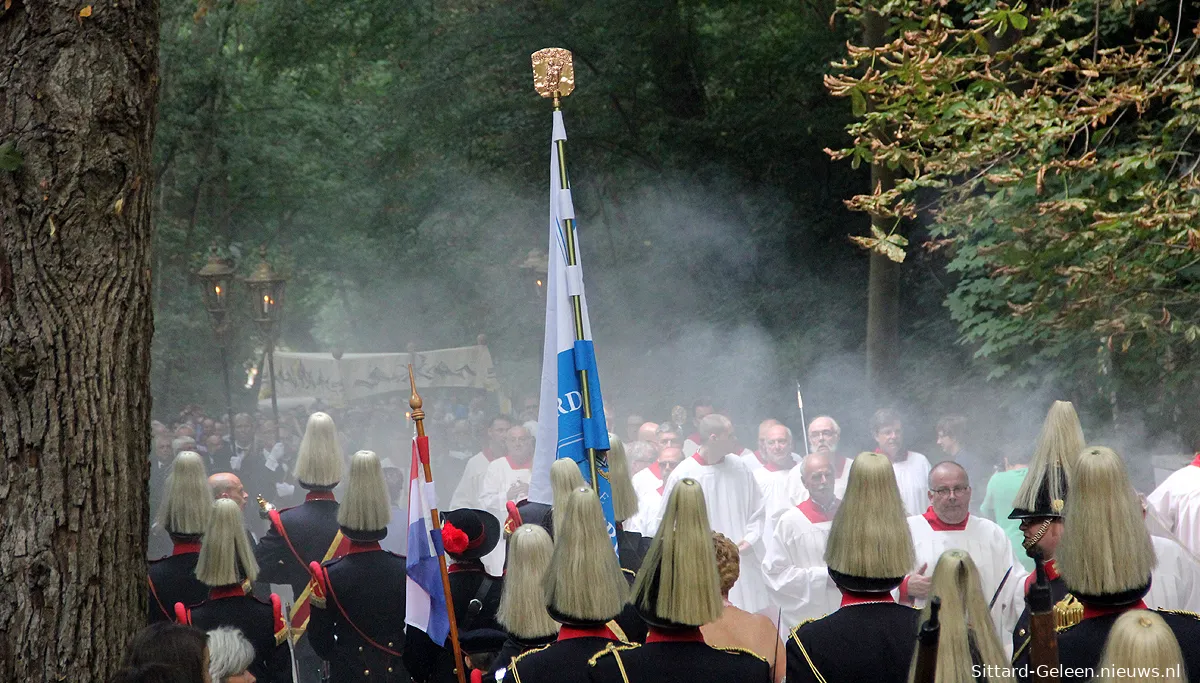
pixel 772 474
pixel 734 502
pixel 912 468
pixel 507 479
pixel 648 485
pixel 824 435
pixel 1175 583
pixel 948 524
pixel 701 408
pixel 758 458
pixel 794 567
pixel 466 494
pixel 1177 503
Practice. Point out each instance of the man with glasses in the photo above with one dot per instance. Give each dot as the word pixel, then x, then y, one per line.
pixel 948 524
pixel 824 435
pixel 648 485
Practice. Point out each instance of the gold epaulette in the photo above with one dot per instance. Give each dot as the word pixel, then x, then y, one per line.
pixel 1181 612
pixel 805 623
pixel 1067 613
pixel 617 630
pixel 740 651
pixel 527 652
pixel 611 648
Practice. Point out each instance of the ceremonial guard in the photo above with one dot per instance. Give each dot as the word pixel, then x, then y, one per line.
pixel 1106 559
pixel 584 590
pixel 676 592
pixel 306 533
pixel 1141 640
pixel 467 536
pixel 225 563
pixel 357 618
pixel 967 639
pixel 632 546
pixel 184 515
pixel 522 611
pixel 868 553
pixel 1039 505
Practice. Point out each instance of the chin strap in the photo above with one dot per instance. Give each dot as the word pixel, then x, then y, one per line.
pixel 1031 543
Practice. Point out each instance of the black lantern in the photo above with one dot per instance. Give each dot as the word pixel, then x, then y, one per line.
pixel 266 296
pixel 215 278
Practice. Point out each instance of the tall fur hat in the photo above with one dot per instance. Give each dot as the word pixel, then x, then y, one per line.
pixel 1043 492
pixel 870 547
pixel 365 510
pixel 319 464
pixel 584 584
pixel 187 505
pixel 625 502
pixel 1105 556
pixel 523 601
pixel 678 585
pixel 225 555
pixel 565 477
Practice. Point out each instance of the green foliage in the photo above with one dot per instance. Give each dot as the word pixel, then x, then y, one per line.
pixel 1059 169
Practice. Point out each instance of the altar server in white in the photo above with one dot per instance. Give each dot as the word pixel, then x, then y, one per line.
pixel 912 468
pixel 507 479
pixel 824 435
pixel 948 525
pixel 648 486
pixel 735 504
pixel 1177 503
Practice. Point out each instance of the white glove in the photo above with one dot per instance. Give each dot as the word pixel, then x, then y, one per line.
pixel 273 457
pixel 283 489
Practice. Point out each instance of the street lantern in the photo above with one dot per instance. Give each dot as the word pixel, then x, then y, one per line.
pixel 215 278
pixel 266 309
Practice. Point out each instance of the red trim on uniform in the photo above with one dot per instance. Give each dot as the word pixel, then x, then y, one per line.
pixel 1051 574
pixel 277 612
pixel 318 579
pixel 849 598
pixel 1090 612
pixel 476 676
pixel 814 513
pixel 526 466
pixel 362 547
pixel 904 596
pixel 231 591
pixel 465 567
pixel 938 525
pixel 696 457
pixel 569 632
pixel 682 635
pixel 318 495
pixel 183 548
pixel 1196 462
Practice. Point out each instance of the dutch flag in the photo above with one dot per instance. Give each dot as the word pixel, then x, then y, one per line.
pixel 425 600
pixel 562 430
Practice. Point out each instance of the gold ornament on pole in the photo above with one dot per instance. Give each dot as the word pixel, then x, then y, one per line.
pixel 553 73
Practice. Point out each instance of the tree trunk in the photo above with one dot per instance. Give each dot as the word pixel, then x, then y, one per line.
pixel 77 100
pixel 883 287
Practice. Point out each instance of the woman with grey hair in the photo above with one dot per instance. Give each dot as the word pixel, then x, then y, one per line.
pixel 229 655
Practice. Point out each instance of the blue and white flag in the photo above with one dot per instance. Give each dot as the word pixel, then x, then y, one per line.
pixel 562 430
pixel 424 597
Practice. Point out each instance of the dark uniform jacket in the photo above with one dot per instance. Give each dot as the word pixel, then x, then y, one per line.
pixel 173 579
pixel 261 622
pixel 1080 646
pixel 311 528
pixel 632 548
pixel 563 661
pixel 887 631
pixel 360 594
pixel 514 647
pixel 1060 594
pixel 428 662
pixel 677 662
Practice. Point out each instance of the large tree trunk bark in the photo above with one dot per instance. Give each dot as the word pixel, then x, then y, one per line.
pixel 883 287
pixel 77 99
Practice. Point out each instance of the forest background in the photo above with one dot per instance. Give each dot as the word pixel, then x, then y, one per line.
pixel 392 157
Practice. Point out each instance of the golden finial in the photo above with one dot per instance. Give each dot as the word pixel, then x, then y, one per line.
pixel 414 401
pixel 553 73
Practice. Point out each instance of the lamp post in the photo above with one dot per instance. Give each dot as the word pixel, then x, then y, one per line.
pixel 215 278
pixel 266 299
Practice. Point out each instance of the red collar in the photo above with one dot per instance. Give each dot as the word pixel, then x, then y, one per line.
pixel 938 525
pixel 362 547
pixel 1090 611
pixel 902 458
pixel 569 632
pixel 185 547
pixel 772 467
pixel 231 591
pixel 656 470
pixel 1051 574
pixel 849 598
pixel 1196 462
pixel 761 459
pixel 472 566
pixel 675 635
pixel 814 513
pixel 697 458
pixel 526 466
pixel 319 495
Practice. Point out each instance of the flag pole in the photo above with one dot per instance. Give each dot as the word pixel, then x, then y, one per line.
pixel 554 77
pixel 418 416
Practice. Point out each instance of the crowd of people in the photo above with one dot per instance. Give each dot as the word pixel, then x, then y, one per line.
pixel 752 563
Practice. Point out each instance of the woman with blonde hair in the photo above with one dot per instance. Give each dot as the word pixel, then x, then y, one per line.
pixel 967 639
pixel 676 592
pixel 1141 647
pixel 522 610
pixel 225 562
pixel 869 551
